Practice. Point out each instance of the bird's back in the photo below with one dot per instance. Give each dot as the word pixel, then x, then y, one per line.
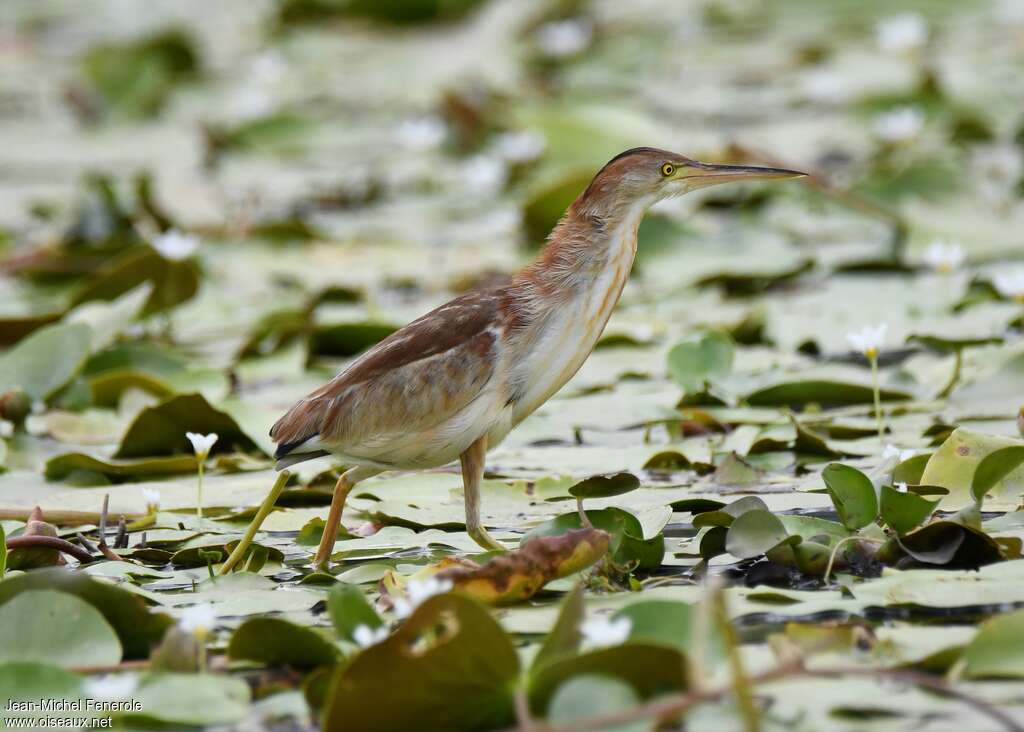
pixel 394 406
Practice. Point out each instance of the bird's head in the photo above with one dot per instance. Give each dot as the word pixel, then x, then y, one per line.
pixel 645 175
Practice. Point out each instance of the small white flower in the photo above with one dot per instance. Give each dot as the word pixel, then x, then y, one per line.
pixel 38 406
pixel 901 487
pixel 201 443
pixel 1010 284
pixel 175 246
pixel 826 87
pixel 901 33
pixel 365 636
pixel 198 619
pixel 417 592
pixel 892 451
pixel 899 125
pixel 6 429
pixel 564 37
pixel 943 256
pixel 249 103
pixel 520 147
pixel 601 631
pixel 421 133
pixel 151 496
pixel 36 425
pixel 484 174
pixel 869 339
pixel 110 687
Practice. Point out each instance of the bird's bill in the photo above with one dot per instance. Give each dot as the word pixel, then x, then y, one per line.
pixel 699 175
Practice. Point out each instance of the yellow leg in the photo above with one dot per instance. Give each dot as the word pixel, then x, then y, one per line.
pixel 472 473
pixel 345 483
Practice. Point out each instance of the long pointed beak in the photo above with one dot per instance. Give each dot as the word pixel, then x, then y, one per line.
pixel 707 174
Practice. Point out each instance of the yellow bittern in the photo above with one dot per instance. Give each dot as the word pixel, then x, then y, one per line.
pixel 453 383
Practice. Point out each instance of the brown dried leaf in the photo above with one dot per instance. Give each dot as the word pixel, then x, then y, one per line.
pixel 520 574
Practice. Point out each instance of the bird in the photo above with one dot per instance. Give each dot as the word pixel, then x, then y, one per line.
pixel 453 383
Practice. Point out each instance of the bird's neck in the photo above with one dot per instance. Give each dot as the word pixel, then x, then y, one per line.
pixel 588 248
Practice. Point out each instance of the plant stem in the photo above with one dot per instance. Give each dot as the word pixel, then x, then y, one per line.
pixel 250 533
pixel 954 378
pixel 584 519
pixel 199 506
pixel 741 686
pixel 878 395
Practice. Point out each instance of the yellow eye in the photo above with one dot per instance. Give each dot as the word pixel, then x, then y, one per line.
pixel 668 169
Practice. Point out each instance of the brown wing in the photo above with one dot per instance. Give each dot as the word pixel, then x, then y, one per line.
pixel 416 377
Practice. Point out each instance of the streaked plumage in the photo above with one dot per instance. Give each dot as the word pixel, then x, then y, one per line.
pixel 456 380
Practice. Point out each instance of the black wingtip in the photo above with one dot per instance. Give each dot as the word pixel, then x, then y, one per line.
pixel 286 447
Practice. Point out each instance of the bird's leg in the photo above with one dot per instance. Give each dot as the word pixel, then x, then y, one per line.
pixel 472 473
pixel 345 483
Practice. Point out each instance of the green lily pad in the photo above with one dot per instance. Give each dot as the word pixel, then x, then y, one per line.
pixel 460 653
pixel 348 608
pixel 137 628
pixel 160 429
pixel 903 511
pixel 278 642
pixel 754 533
pixel 47 360
pixel 46 626
pixel 852 494
pixel 605 486
pixel 997 651
pixel 699 359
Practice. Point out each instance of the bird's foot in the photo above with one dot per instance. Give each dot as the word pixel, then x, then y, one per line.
pixel 489 543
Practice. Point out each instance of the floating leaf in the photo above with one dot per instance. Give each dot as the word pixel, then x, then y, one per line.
pixel 650 669
pixel 753 533
pixel 348 608
pixel 137 628
pixel 591 694
pixel 698 359
pixel 277 642
pixel 852 494
pixel 45 361
pixel 627 544
pixel 903 511
pixel 45 626
pixel 605 486
pixel 160 429
pixel 518 575
pixel 997 651
pixel 450 648
pixel 993 468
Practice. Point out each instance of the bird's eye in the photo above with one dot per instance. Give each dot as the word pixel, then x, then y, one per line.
pixel 668 169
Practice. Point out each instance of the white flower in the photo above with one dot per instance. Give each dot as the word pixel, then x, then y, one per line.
pixel 1010 283
pixel 174 245
pixel 38 406
pixel 417 591
pixel 901 487
pixel 869 339
pixel 198 619
pixel 201 443
pixel 6 429
pixel 601 631
pixel 110 687
pixel 152 496
pixel 365 636
pixel 901 33
pixel 249 103
pixel 564 37
pixel 892 451
pixel 997 170
pixel 899 125
pixel 484 174
pixel 520 147
pixel 36 425
pixel 943 256
pixel 421 133
pixel 824 86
